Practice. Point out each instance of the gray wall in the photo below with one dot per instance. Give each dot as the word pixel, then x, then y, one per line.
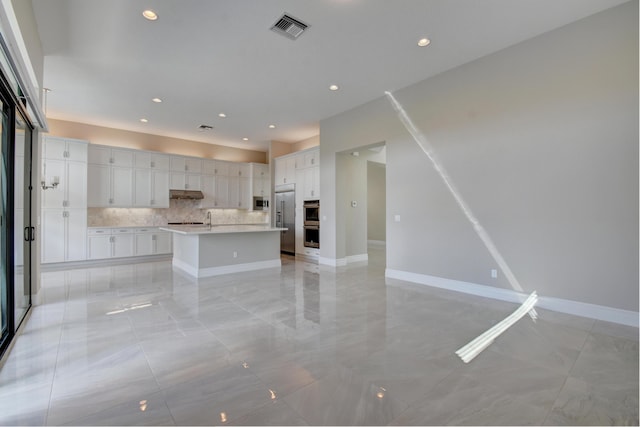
pixel 376 201
pixel 541 139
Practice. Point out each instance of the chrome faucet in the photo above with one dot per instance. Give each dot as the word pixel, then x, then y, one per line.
pixel 208 220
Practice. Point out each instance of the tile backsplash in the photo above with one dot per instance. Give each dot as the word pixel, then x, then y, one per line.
pixel 179 210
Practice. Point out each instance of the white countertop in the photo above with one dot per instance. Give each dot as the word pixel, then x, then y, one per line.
pixel 219 229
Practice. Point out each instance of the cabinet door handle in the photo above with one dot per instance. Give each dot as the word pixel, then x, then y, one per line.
pixel 32 233
pixel 26 234
pixel 111 160
pixel 153 164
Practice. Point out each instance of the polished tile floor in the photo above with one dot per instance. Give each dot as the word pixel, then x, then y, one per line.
pixel 304 345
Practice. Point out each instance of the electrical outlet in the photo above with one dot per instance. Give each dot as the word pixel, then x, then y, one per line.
pixel 494 273
pixel 396 218
pixel 235 254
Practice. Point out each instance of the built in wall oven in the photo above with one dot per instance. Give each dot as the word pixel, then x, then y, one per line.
pixel 311 209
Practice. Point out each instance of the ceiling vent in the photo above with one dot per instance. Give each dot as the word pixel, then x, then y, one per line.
pixel 289 27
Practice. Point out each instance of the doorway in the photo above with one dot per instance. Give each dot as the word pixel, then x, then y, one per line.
pixel 361 203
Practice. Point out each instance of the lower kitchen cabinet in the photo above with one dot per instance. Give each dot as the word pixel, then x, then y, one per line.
pixel 64 235
pixel 108 242
pixel 150 241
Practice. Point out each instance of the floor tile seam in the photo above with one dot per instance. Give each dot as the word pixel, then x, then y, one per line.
pixel 555 400
pixel 55 370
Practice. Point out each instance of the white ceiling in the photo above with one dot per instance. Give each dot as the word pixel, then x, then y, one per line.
pixel 104 62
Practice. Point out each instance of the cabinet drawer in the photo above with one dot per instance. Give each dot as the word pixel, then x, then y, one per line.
pixel 98 231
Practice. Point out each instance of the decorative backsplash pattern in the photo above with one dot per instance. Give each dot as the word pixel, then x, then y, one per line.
pixel 179 210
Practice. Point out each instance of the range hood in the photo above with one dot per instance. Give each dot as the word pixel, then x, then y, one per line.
pixel 186 194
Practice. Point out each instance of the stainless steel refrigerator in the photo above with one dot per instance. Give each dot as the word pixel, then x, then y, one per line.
pixel 285 218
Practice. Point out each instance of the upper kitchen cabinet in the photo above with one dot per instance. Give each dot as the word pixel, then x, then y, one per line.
pixel 150 188
pixel 55 148
pixel 151 180
pixel 110 177
pixel 104 155
pixel 65 161
pixel 149 160
pixel 185 173
pixel 260 180
pixel 285 169
pixel 310 158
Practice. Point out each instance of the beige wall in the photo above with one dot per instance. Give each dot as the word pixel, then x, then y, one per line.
pixel 142 141
pixel 314 141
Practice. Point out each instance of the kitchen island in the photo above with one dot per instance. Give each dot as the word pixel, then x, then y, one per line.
pixel 204 250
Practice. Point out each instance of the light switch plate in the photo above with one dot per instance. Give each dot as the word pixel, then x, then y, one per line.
pixel 396 218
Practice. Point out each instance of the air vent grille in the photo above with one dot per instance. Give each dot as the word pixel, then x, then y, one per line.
pixel 289 27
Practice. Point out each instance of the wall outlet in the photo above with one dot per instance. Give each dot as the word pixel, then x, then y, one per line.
pixel 235 254
pixel 396 218
pixel 494 273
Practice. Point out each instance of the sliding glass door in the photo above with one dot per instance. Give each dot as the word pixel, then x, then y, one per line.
pixel 6 312
pixel 16 230
pixel 23 232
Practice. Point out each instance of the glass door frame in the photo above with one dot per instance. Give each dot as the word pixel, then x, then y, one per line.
pixel 14 106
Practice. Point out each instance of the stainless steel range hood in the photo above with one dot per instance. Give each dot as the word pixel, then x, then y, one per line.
pixel 186 194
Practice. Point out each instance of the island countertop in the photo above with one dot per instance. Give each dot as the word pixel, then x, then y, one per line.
pixel 219 229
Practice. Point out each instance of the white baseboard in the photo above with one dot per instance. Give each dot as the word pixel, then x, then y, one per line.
pixel 376 242
pixel 226 269
pixel 333 262
pixel 577 308
pixel 357 258
pixel 341 262
pixel 58 266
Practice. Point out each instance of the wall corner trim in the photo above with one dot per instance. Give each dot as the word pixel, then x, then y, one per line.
pixel 576 308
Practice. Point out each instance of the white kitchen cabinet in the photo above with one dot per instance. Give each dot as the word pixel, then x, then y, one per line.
pixel 185 181
pixel 64 234
pixel 221 197
pixel 67 161
pixel 260 180
pixel 239 170
pixel 71 191
pixel 110 186
pixel 149 160
pixel 310 158
pixel 151 188
pixel 186 164
pixel 151 241
pixel 64 208
pixel 105 155
pixel 110 177
pixel 285 172
pixel 55 148
pixel 310 183
pixel 110 243
pixel 122 243
pixel 239 192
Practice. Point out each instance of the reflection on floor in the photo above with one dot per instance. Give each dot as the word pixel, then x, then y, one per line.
pixel 142 344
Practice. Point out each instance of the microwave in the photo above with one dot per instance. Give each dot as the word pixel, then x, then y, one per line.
pixel 260 204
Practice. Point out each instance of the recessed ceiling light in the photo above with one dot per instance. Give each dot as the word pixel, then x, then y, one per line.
pixel 223 115
pixel 157 100
pixel 144 120
pixel 334 87
pixel 150 15
pixel 272 126
pixel 245 139
pixel 424 42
